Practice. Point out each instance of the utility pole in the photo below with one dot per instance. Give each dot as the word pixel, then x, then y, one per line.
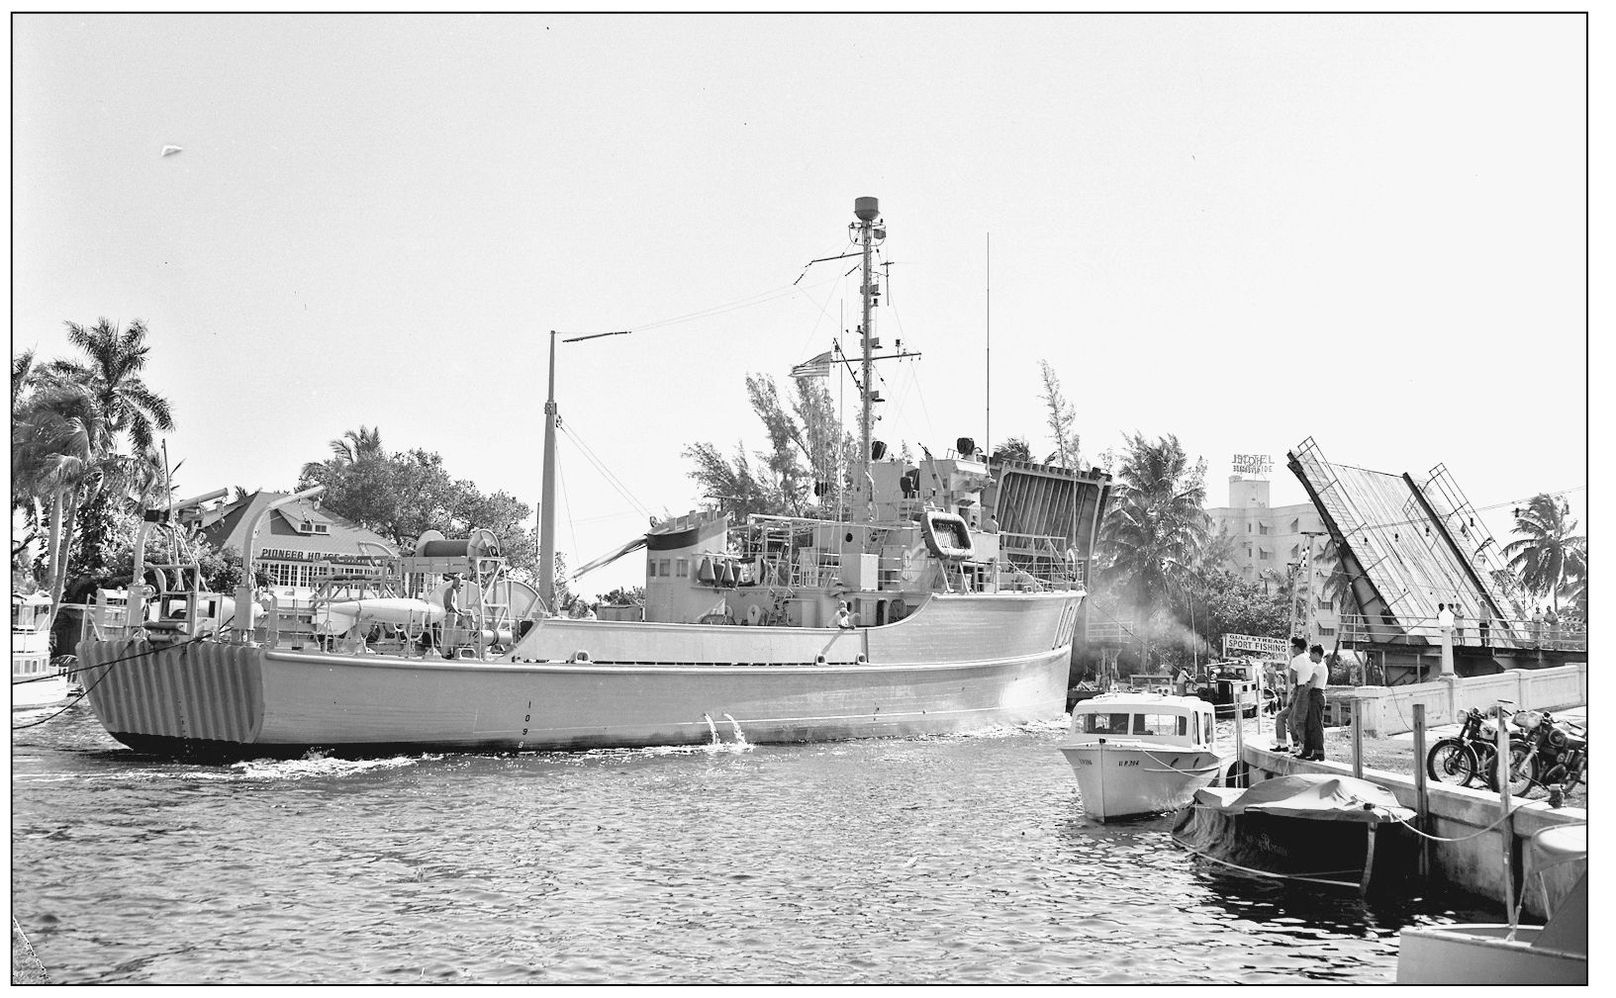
pixel 1307 590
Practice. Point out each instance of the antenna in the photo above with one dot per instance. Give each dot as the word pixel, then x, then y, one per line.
pixel 987 376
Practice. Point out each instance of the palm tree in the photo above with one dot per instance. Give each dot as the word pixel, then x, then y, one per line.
pixel 357 445
pixel 1013 449
pixel 116 358
pixel 353 447
pixel 1156 520
pixel 1549 553
pixel 61 441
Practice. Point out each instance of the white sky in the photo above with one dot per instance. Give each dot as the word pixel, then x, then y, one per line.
pixel 1246 230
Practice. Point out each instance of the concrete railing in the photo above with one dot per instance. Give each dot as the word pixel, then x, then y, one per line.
pixel 1475 862
pixel 1389 710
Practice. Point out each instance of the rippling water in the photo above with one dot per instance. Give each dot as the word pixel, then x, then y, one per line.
pixel 956 860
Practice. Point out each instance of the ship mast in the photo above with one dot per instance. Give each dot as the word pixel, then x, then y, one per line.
pixel 552 419
pixel 547 496
pixel 868 228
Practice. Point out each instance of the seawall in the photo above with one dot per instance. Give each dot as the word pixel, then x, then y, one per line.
pixel 1389 710
pixel 1476 863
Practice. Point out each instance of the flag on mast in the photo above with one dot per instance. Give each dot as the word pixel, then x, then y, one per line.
pixel 814 367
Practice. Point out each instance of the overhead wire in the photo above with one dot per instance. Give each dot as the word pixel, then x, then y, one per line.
pixel 605 472
pixel 750 301
pixel 572 528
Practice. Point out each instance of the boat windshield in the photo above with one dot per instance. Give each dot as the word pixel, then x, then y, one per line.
pixel 1129 723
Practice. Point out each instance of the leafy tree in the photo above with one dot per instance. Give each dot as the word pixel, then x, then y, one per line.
pixel 59 440
pixel 623 596
pixel 1061 416
pixel 1213 603
pixel 731 485
pixel 402 495
pixel 69 419
pixel 1156 520
pixel 806 445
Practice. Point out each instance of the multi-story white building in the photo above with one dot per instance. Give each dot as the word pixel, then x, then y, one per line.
pixel 1283 540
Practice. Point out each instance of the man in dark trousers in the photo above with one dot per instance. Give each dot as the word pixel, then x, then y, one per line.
pixel 1288 723
pixel 1313 726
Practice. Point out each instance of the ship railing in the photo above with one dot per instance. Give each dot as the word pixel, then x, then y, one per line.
pixel 1502 634
pixel 820 568
pixel 1109 632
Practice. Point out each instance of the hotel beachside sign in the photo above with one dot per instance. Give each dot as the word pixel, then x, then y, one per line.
pixel 1253 464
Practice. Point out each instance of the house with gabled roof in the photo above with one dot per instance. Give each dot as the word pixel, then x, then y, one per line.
pixel 299 543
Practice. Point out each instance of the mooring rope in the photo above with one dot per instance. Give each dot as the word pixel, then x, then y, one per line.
pixel 1171 768
pixel 1437 838
pixel 107 665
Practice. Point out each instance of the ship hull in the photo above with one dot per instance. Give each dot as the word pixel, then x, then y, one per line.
pixel 1129 781
pixel 959 663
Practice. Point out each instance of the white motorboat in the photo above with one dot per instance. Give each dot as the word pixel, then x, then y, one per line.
pixel 34 681
pixel 1141 753
pixel 1510 953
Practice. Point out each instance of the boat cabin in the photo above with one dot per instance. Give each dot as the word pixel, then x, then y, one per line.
pixel 1166 720
pixel 30 635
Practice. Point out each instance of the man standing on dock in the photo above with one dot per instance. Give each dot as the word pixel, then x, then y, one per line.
pixel 1288 722
pixel 1313 730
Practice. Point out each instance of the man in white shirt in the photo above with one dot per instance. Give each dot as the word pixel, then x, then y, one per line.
pixel 1288 722
pixel 1313 726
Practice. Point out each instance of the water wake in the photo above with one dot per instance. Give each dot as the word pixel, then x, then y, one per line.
pixel 315 764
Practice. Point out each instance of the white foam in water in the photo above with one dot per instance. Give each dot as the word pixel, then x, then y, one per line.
pixel 741 744
pixel 316 764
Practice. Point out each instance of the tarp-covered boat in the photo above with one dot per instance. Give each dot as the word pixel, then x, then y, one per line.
pixel 1309 827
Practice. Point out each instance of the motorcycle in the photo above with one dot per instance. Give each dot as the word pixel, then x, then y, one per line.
pixel 1467 758
pixel 1552 755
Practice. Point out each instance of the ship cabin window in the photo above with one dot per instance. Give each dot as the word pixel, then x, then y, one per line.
pixel 1105 724
pixel 1157 724
pixel 1206 728
pixel 650 568
pixel 683 568
pixel 663 567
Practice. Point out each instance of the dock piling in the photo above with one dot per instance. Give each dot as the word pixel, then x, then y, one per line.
pixel 1508 823
pixel 1422 803
pixel 1239 740
pixel 1357 745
